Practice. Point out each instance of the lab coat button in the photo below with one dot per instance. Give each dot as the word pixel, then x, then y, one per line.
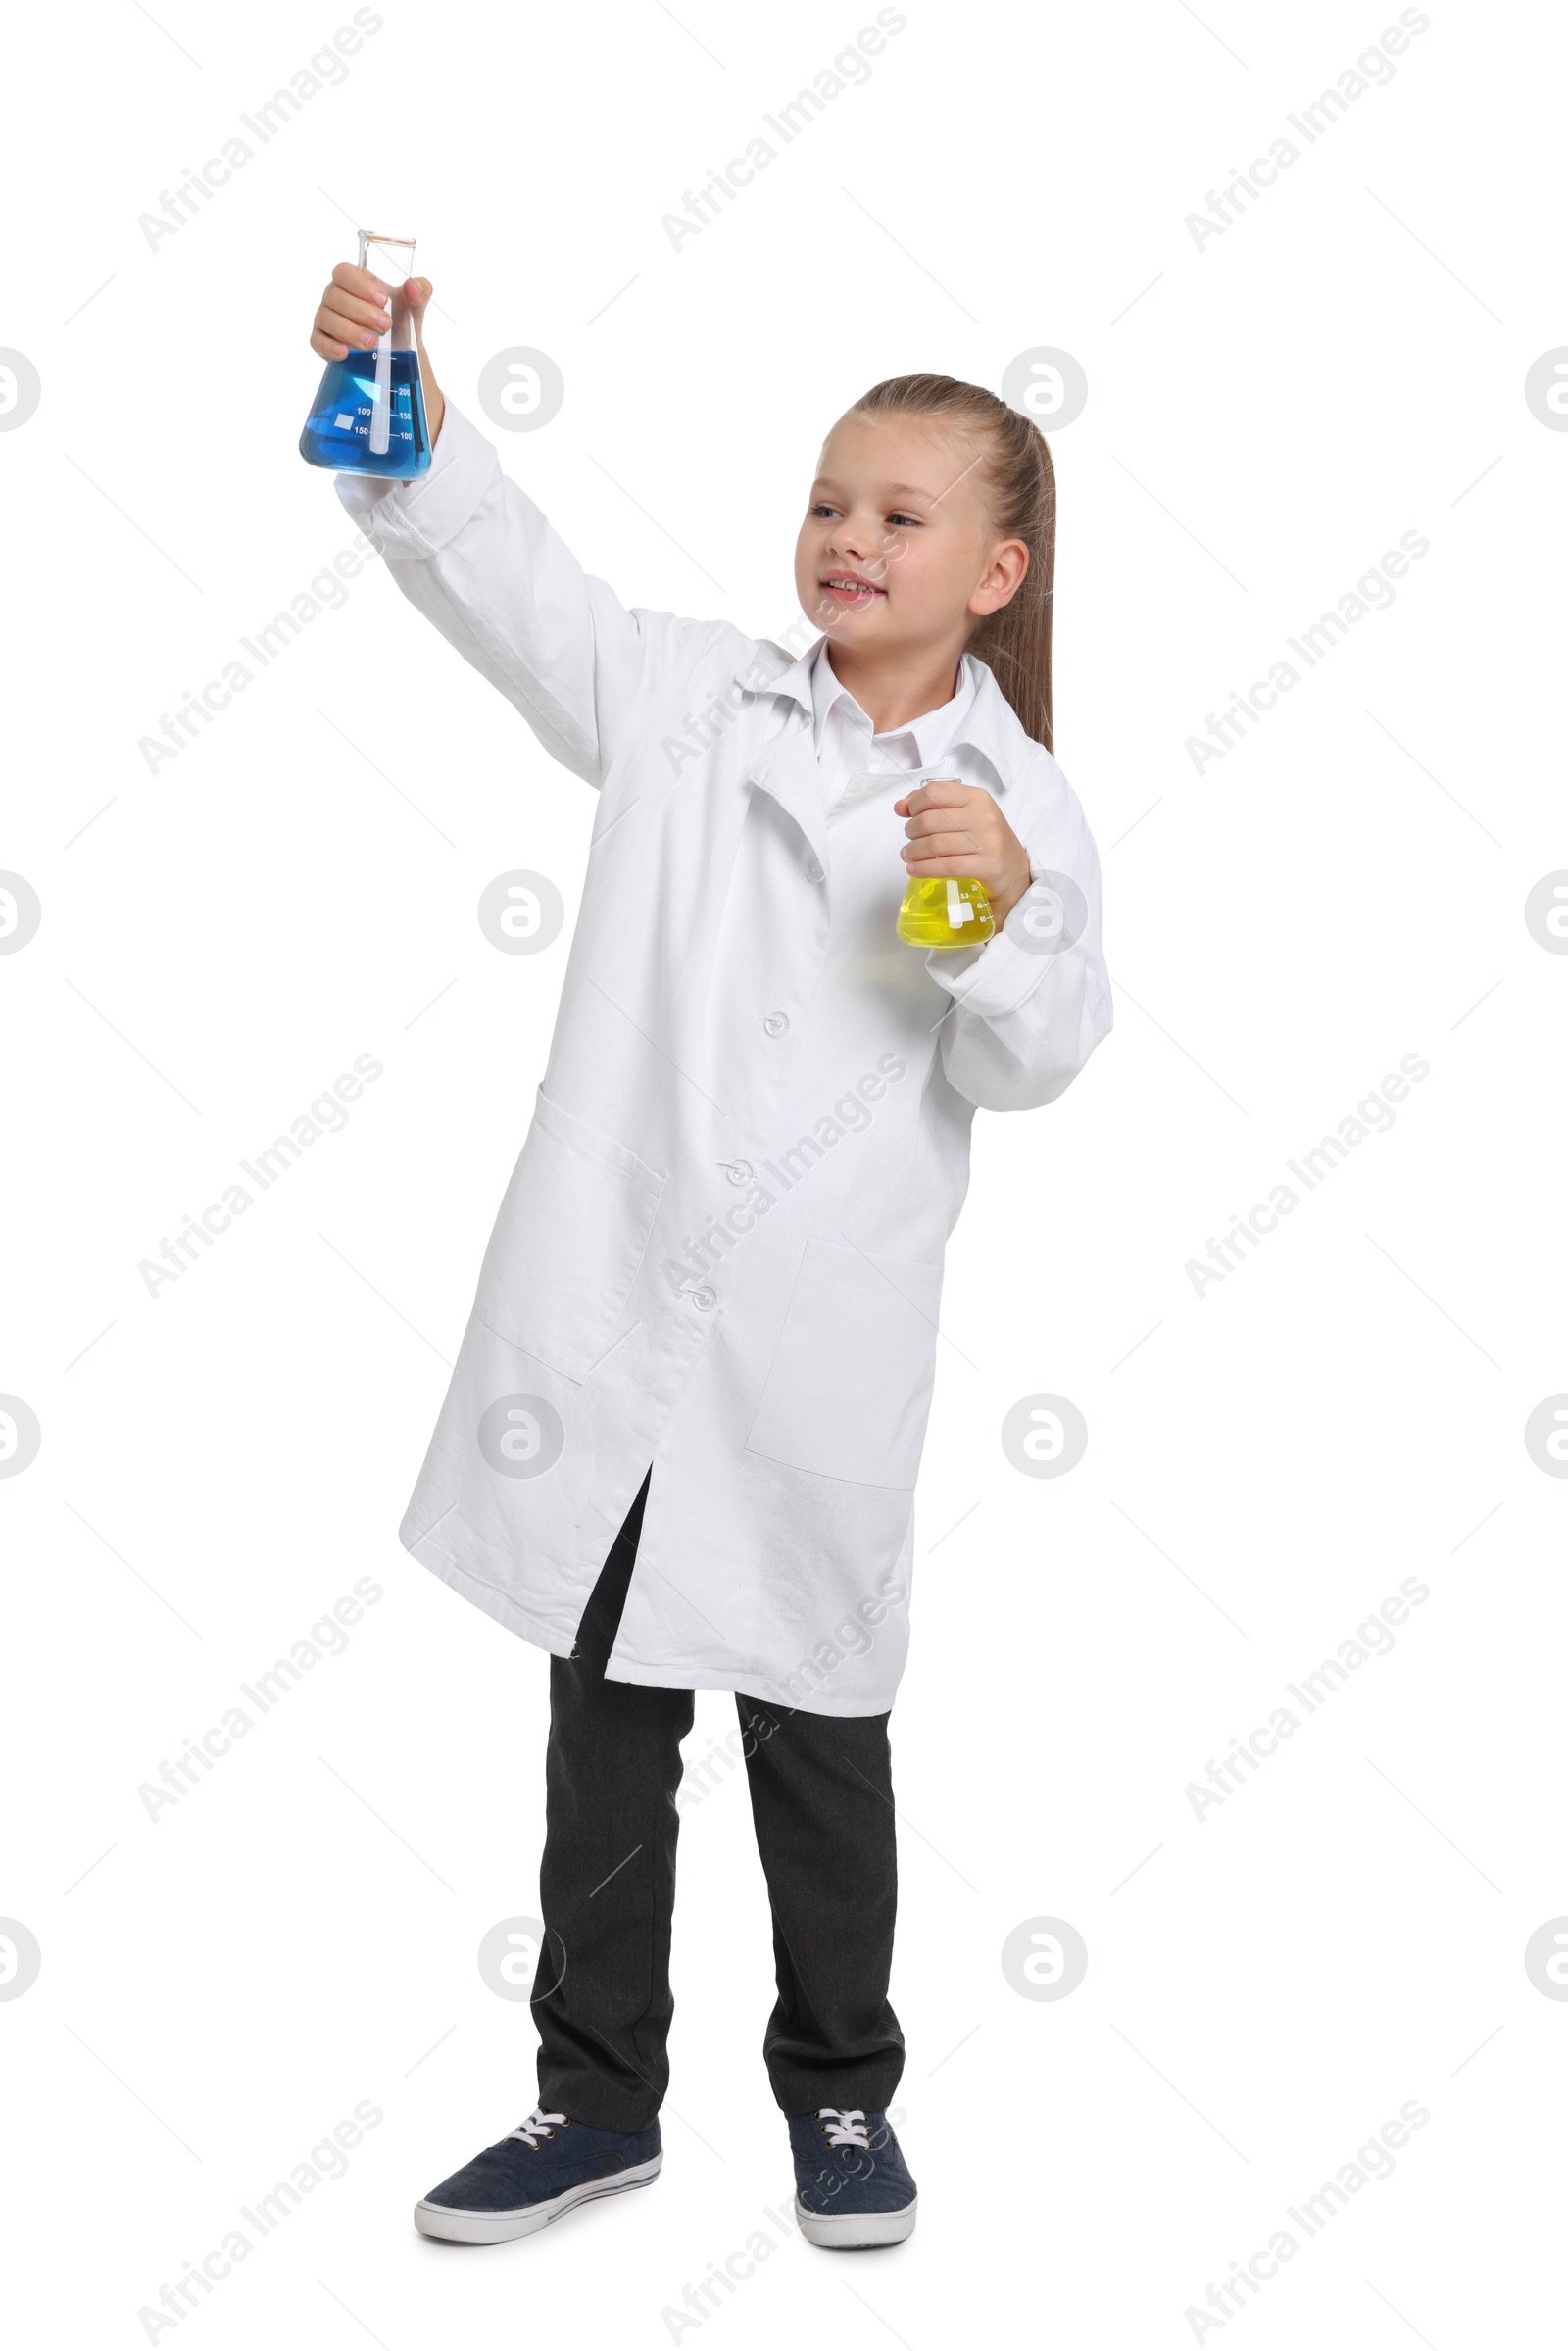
pixel 738 1171
pixel 814 871
pixel 776 1023
pixel 706 1299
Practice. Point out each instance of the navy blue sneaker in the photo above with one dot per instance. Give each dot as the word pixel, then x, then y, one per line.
pixel 852 2185
pixel 544 2167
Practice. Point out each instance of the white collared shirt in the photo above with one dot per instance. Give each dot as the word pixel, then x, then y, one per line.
pixel 847 745
pixel 864 774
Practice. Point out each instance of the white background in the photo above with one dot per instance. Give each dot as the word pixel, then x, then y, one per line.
pixel 1266 415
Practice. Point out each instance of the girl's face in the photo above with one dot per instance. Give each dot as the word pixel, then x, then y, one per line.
pixel 897 551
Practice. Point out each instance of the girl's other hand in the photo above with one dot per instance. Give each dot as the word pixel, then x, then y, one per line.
pixel 354 313
pixel 958 828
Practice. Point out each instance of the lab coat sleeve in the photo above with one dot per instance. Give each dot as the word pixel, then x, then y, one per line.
pixel 1023 1023
pixel 472 551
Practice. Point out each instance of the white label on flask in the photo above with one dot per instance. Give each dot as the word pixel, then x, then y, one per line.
pixel 959 909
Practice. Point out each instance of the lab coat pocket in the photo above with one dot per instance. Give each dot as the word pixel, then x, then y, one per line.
pixel 569 1241
pixel 849 1388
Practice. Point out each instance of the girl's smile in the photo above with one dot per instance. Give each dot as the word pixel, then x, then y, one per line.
pixel 849 588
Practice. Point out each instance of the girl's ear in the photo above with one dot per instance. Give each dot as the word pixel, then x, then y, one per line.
pixel 1003 581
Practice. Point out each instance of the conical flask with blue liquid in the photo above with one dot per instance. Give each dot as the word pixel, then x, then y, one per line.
pixel 368 412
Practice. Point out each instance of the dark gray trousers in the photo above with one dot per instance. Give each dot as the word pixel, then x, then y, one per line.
pixel 821 1793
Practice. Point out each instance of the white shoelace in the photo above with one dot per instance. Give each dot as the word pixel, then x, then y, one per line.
pixel 537 2128
pixel 846 2125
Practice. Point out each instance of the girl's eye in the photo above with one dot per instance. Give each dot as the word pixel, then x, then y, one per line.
pixel 821 508
pixel 914 518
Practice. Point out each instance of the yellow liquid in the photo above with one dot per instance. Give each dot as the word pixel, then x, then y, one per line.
pixel 948 912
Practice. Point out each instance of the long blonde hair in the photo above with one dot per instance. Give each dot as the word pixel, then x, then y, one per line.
pixel 1019 485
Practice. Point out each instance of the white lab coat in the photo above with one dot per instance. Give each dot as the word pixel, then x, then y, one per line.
pixel 721 1252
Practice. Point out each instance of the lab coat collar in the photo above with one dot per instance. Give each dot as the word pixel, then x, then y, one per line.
pixel 992 728
pixel 788 768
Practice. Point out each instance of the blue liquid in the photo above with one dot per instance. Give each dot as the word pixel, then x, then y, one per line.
pixel 337 430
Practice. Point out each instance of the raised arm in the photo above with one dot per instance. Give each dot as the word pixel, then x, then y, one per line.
pixel 479 557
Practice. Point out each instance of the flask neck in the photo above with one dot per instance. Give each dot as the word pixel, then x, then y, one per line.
pixel 391 260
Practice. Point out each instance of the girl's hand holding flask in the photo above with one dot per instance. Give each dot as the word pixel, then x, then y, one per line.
pixel 967 868
pixel 378 408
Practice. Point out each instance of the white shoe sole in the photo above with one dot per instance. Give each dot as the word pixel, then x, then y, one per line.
pixel 462 2227
pixel 847 2231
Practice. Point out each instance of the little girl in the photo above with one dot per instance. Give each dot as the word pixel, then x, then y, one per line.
pixel 680 1445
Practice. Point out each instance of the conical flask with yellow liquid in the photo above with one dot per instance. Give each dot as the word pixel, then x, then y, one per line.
pixel 949 909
